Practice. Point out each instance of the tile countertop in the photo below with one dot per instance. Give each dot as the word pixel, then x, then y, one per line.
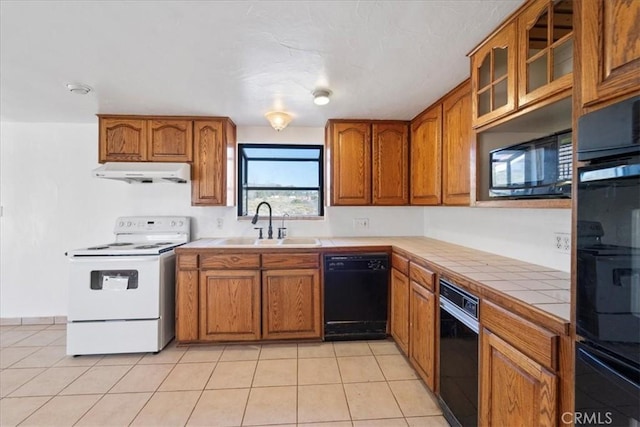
pixel 539 293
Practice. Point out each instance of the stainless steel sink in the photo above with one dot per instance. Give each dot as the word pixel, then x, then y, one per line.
pixel 300 242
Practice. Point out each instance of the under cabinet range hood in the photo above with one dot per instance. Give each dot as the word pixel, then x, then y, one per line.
pixel 144 172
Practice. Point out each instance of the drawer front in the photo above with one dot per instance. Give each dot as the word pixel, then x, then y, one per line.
pixel 230 261
pixel 188 262
pixel 290 260
pixel 400 263
pixel 422 276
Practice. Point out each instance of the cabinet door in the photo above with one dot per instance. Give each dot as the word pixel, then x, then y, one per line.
pixel 493 77
pixel 426 157
pixel 229 305
pixel 515 390
pixel 209 164
pixel 422 309
pixel 291 304
pixel 400 309
pixel 122 140
pixel 545 39
pixel 170 140
pixel 350 164
pixel 456 146
pixel 187 305
pixel 609 49
pixel 390 164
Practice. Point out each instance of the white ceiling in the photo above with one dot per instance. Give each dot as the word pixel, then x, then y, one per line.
pixel 381 59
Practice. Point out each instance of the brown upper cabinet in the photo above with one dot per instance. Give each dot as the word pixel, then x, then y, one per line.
pixel 122 140
pixel 545 38
pixel 609 50
pixel 527 60
pixel 441 141
pixel 213 171
pixel 493 76
pixel 140 139
pixel 170 140
pixel 368 162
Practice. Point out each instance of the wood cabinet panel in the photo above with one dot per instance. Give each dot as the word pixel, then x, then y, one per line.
pixel 515 390
pixel 229 305
pixel 170 140
pixel 609 49
pixel 122 140
pixel 235 261
pixel 493 77
pixel 457 140
pixel 187 262
pixel 390 164
pixel 187 305
pixel 400 263
pixel 350 163
pixel 289 260
pixel 291 304
pixel 538 343
pixel 545 57
pixel 422 309
pixel 422 276
pixel 426 157
pixel 208 173
pixel 400 309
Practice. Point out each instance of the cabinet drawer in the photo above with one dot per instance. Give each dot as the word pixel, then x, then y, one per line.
pixel 188 262
pixel 534 341
pixel 290 260
pixel 422 276
pixel 400 263
pixel 230 261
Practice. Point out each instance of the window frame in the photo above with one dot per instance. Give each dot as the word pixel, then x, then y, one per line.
pixel 242 176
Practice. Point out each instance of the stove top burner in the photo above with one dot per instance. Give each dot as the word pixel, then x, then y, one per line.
pixel 148 246
pixel 95 248
pixel 121 244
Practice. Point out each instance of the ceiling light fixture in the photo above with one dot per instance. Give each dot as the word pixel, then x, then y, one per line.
pixel 78 88
pixel 278 119
pixel 321 97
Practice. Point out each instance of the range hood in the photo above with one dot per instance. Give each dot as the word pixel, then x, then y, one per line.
pixel 144 172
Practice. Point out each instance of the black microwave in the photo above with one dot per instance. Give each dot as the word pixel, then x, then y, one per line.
pixel 539 168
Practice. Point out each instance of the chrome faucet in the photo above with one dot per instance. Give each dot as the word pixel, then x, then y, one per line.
pixel 255 219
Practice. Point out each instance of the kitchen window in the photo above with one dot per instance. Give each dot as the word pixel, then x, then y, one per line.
pixel 289 177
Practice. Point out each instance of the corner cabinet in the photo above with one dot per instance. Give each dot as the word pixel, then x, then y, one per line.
pixel 213 174
pixel 368 163
pixel 400 302
pixel 493 76
pixel 457 141
pixel 426 157
pixel 609 50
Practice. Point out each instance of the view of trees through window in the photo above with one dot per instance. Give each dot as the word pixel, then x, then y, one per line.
pixel 288 177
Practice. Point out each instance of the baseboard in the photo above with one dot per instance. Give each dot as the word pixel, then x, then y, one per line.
pixel 46 320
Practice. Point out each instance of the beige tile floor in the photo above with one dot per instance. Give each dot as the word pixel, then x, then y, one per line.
pixel 318 384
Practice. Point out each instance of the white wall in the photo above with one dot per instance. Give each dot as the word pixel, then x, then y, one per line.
pixel 51 204
pixel 525 234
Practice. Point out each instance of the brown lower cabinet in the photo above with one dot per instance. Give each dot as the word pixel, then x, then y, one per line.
pixel 247 297
pixel 518 370
pixel 400 309
pixel 422 314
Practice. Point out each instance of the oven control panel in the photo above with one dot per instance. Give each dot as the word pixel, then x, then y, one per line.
pixel 155 224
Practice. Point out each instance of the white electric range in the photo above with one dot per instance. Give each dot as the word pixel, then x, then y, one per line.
pixel 122 294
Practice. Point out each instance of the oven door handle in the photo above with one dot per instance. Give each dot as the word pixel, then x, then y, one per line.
pixel 622 171
pixel 603 368
pixel 93 259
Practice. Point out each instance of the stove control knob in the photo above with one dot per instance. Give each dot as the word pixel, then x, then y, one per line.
pixel 128 223
pixel 173 223
pixel 181 223
pixel 121 224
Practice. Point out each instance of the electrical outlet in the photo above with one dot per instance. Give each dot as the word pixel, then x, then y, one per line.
pixel 562 242
pixel 360 224
pixel 220 223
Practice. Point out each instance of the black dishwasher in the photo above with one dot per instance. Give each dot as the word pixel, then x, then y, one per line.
pixel 356 290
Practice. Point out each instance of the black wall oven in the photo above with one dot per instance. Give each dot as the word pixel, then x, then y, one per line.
pixel 607 381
